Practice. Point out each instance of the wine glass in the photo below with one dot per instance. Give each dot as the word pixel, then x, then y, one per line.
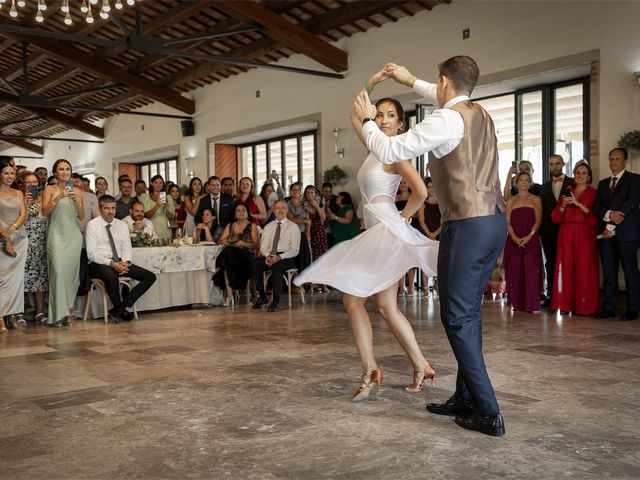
pixel 179 233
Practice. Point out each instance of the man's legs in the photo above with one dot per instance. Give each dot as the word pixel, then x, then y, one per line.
pixel 145 279
pixel 550 247
pixel 259 267
pixel 610 258
pixel 277 272
pixel 110 278
pixel 469 250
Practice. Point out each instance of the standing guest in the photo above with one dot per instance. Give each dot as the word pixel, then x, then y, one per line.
pixel 126 201
pixel 42 174
pixel 220 203
pixel 109 251
pixel 101 186
pixel 549 230
pixel 522 252
pixel 316 234
pixel 344 220
pixel 89 202
pixel 278 248
pixel 429 220
pixel 51 180
pixel 191 204
pixel 181 210
pixel 159 207
pixel 330 206
pixel 63 204
pixel 234 263
pixel 136 221
pixel 86 185
pixel 576 276
pixel 36 276
pixel 228 186
pixel 120 179
pixel 299 215
pixel 207 230
pixel 268 196
pixel 404 192
pixel 140 187
pixel 252 200
pixel 463 159
pixel 510 186
pixel 617 209
pixel 14 245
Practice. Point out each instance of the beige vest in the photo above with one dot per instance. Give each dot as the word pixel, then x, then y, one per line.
pixel 466 180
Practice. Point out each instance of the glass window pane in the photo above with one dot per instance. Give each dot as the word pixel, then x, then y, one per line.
pixel 276 157
pixel 144 173
pixel 502 112
pixel 290 174
pixel 531 135
pixel 569 124
pixel 173 171
pixel 308 161
pixel 153 170
pixel 261 164
pixel 246 154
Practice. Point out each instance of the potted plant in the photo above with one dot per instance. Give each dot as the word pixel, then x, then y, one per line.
pixel 335 176
pixel 630 141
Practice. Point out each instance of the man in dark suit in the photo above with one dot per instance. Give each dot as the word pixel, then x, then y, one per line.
pixel 617 208
pixel 221 203
pixel 550 192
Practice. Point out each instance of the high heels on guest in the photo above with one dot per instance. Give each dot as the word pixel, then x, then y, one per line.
pixel 228 301
pixel 420 378
pixel 367 379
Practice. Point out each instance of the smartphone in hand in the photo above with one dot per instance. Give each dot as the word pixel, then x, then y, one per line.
pixel 69 187
pixel 162 196
pixel 33 190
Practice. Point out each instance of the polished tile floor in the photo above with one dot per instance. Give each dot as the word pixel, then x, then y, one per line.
pixel 232 393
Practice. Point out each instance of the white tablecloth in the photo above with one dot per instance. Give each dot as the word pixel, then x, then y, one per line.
pixel 183 276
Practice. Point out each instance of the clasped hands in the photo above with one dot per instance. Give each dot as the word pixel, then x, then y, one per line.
pixel 362 107
pixel 271 259
pixel 121 267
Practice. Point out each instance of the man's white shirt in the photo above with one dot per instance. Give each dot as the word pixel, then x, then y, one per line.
pixel 98 245
pixel 440 132
pixel 289 242
pixel 148 225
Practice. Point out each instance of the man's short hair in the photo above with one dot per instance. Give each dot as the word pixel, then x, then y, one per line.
pixel 136 203
pixel 140 181
pixel 327 185
pixel 280 200
pixel 41 168
pixel 462 71
pixel 106 199
pixel 125 180
pixel 75 175
pixel 556 155
pixel 625 154
pixel 213 177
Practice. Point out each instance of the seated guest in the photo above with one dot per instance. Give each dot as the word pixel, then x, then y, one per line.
pixel 278 249
pixel 136 220
pixel 109 251
pixel 126 201
pixel 575 284
pixel 234 263
pixel 207 230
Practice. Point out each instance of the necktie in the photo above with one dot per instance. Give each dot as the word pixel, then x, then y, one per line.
pixel 276 239
pixel 215 206
pixel 114 252
pixel 612 188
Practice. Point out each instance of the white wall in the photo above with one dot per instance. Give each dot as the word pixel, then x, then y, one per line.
pixel 504 35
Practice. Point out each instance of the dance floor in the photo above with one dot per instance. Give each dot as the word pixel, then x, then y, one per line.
pixel 234 393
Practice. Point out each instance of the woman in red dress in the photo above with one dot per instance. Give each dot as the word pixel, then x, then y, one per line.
pixel 247 196
pixel 576 273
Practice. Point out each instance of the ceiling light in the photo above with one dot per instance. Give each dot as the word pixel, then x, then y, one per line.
pixel 104 14
pixel 22 3
pixel 67 19
pixel 89 18
pixel 118 4
pixel 39 17
pixel 105 6
pixel 65 7
pixel 13 11
pixel 84 8
pixel 131 2
pixel 93 2
pixel 41 5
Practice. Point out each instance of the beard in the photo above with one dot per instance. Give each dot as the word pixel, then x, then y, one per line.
pixel 556 173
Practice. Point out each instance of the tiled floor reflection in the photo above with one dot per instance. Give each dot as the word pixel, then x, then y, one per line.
pixel 234 393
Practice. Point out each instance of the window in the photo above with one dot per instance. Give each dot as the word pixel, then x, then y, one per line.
pixel 294 158
pixel 532 124
pixel 167 168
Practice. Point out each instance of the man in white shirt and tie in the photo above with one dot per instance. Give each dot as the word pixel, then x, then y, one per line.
pixel 278 249
pixel 109 252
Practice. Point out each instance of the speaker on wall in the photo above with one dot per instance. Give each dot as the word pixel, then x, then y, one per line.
pixel 188 128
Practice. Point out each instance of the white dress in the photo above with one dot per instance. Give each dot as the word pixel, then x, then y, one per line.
pixel 380 256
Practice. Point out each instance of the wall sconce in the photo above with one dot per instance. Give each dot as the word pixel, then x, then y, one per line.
pixel 188 166
pixel 335 134
pixel 636 78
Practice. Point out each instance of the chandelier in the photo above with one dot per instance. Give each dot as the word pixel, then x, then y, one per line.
pixel 86 8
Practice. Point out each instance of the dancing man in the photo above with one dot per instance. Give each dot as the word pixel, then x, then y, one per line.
pixel 463 159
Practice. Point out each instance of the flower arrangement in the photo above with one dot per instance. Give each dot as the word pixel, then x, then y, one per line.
pixel 335 175
pixel 140 238
pixel 630 141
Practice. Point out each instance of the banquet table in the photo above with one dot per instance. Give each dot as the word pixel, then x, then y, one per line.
pixel 183 276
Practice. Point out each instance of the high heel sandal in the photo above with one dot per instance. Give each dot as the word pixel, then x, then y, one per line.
pixel 420 378
pixel 229 300
pixel 363 391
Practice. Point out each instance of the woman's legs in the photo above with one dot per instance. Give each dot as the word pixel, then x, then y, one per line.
pixel 227 285
pixel 387 304
pixel 40 297
pixel 362 331
pixel 411 275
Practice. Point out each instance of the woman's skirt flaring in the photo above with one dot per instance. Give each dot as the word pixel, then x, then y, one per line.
pixel 375 259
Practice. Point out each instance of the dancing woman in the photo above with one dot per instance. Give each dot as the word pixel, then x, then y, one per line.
pixel 373 262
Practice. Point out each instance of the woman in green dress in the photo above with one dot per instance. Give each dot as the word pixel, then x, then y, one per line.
pixel 62 203
pixel 158 207
pixel 343 226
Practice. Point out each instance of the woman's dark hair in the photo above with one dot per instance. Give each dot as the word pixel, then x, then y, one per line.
pixel 95 182
pixel 310 187
pixel 171 187
pixel 153 179
pixel 246 210
pixel 583 163
pixel 190 192
pixel 399 110
pixel 22 177
pixel 294 184
pixel 427 180
pixel 263 191
pixel 58 162
pixel 5 162
pixel 346 198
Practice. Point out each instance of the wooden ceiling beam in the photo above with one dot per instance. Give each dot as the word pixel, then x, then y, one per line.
pixel 110 72
pixel 173 16
pixel 292 35
pixel 32 147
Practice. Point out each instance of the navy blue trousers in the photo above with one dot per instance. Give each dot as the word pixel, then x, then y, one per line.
pixel 468 252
